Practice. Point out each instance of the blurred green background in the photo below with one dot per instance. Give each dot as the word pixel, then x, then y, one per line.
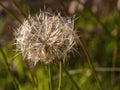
pixel 98 23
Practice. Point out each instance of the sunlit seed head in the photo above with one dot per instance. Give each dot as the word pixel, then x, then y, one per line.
pixel 45 37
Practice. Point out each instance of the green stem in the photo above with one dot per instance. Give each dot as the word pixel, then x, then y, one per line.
pixel 7 64
pixel 33 78
pixel 90 62
pixel 50 78
pixel 60 75
pixel 72 80
pixel 7 10
pixel 115 54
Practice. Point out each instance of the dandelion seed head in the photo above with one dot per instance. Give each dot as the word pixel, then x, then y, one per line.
pixel 44 37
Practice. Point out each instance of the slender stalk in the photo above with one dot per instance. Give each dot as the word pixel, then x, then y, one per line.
pixel 7 64
pixel 72 80
pixel 5 58
pixel 18 8
pixel 63 7
pixel 33 79
pixel 67 73
pixel 90 62
pixel 60 75
pixel 15 56
pixel 11 13
pixel 115 53
pixel 50 78
pixel 98 69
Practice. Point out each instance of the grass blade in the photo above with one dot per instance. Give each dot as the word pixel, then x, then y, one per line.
pixel 60 75
pixel 90 62
pixel 11 13
pixel 50 78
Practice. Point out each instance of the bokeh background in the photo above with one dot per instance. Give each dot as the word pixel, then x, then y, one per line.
pixel 98 23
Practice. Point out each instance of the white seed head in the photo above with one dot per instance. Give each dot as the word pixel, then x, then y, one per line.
pixel 45 37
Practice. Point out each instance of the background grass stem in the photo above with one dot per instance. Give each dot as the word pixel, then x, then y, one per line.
pixel 18 8
pixel 72 80
pixel 50 78
pixel 10 72
pixel 90 62
pixel 11 13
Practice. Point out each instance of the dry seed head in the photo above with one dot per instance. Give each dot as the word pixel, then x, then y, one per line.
pixel 45 37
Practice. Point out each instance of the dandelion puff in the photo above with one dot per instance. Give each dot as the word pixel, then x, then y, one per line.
pixel 45 37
